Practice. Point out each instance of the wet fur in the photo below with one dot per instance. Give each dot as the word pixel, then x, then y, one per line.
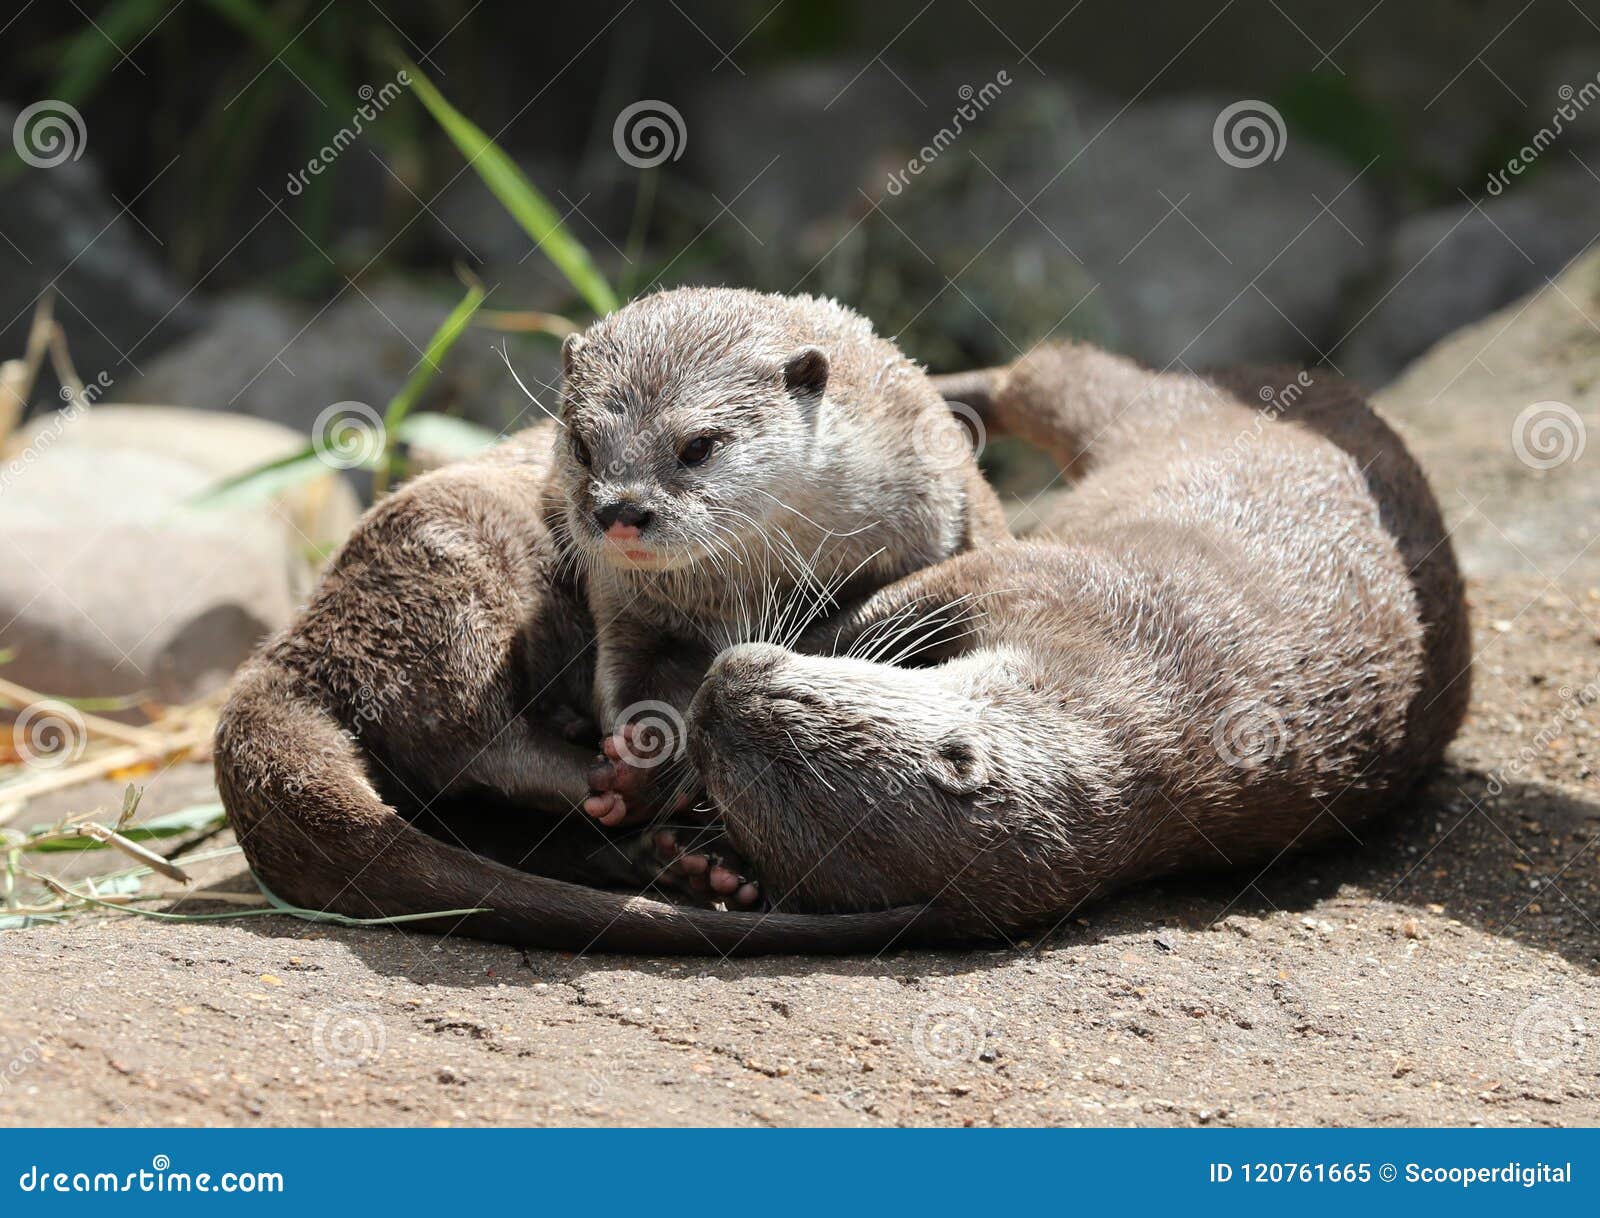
pixel 1077 715
pixel 831 477
pixel 425 685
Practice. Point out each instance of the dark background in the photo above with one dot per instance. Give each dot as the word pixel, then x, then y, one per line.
pixel 187 272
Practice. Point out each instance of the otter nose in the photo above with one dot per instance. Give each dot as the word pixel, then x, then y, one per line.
pixel 623 519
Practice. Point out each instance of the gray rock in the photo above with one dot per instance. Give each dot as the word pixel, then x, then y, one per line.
pixel 108 587
pixel 316 514
pixel 1448 267
pixel 276 360
pixel 1174 253
pixel 1505 415
pixel 117 303
pixel 791 151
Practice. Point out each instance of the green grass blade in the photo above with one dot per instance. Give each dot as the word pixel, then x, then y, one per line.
pixel 261 482
pixel 394 415
pixel 432 357
pixel 518 196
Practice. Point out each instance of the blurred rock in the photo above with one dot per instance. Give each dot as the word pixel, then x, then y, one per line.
pixel 1167 250
pixel 117 303
pixel 108 586
pixel 791 150
pixel 1448 267
pixel 316 514
pixel 1505 416
pixel 268 358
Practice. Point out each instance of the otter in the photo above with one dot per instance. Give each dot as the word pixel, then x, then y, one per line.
pixel 736 465
pixel 1239 632
pixel 379 758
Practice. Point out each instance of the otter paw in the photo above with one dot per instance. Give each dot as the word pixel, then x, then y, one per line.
pixel 618 784
pixel 708 876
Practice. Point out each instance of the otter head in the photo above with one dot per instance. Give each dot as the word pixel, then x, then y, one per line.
pixel 777 734
pixel 684 419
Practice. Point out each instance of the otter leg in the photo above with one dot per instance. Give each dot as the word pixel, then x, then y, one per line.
pixel 529 764
pixel 644 685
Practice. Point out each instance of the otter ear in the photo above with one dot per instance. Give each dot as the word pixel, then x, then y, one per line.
pixel 570 347
pixel 959 765
pixel 806 372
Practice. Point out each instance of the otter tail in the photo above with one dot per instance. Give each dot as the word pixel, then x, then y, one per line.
pixel 316 832
pixel 1063 398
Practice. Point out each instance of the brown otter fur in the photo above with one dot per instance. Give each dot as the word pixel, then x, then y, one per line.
pixel 427 679
pixel 731 458
pixel 1235 635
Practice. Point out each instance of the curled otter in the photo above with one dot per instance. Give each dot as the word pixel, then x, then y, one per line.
pixel 1233 636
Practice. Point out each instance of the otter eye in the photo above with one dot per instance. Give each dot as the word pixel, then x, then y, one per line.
pixel 696 450
pixel 580 451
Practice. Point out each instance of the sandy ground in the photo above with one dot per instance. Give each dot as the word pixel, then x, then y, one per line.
pixel 1442 970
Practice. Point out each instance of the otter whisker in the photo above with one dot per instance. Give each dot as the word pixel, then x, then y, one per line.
pixel 505 358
